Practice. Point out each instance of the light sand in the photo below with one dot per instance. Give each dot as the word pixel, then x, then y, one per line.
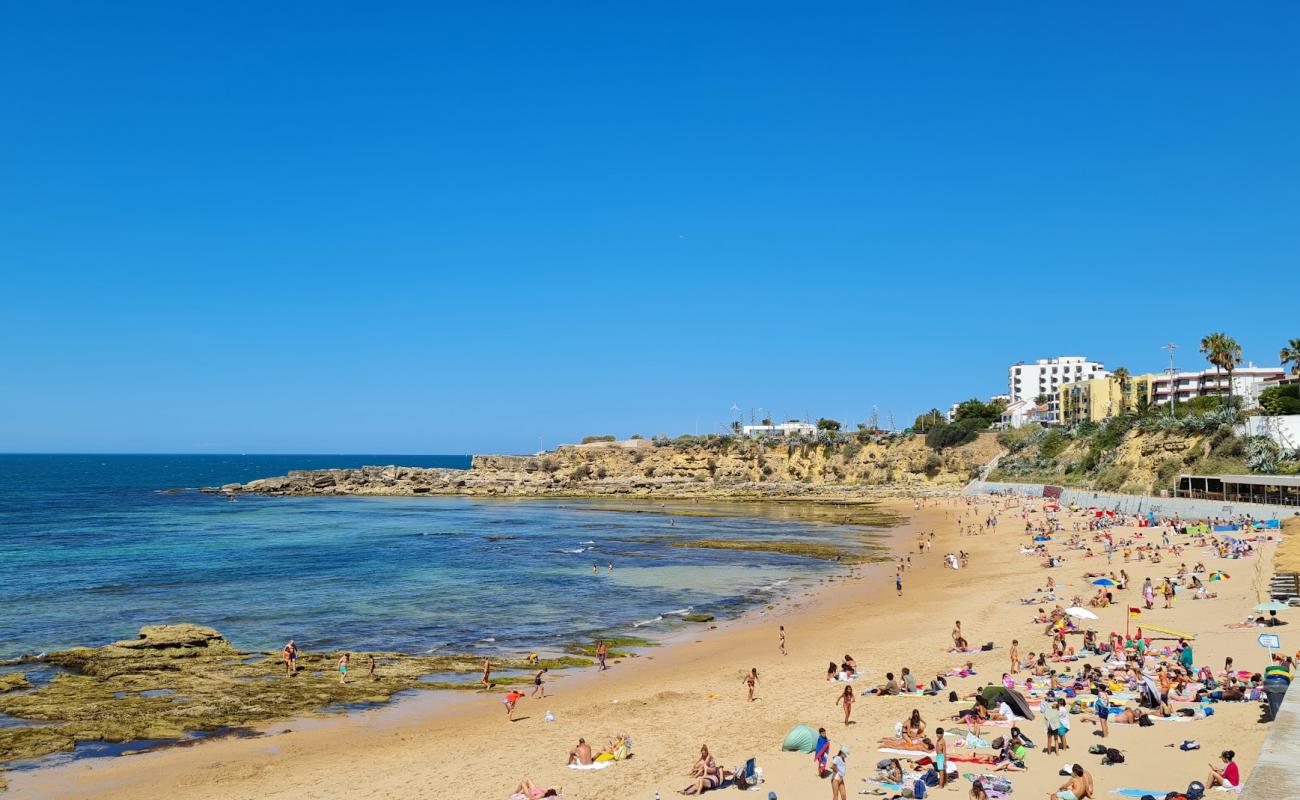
pixel 677 697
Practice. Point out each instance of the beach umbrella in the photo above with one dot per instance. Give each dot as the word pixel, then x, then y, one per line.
pixel 1080 613
pixel 1272 605
pixel 1219 576
pixel 1103 582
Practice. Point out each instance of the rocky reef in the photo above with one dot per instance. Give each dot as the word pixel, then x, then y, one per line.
pixel 716 467
pixel 173 681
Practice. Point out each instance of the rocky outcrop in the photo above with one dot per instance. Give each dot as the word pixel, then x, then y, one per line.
pixel 173 681
pixel 720 468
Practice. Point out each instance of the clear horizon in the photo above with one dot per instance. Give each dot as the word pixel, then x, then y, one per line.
pixel 444 230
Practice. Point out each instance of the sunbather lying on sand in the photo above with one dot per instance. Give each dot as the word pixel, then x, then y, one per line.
pixel 531 791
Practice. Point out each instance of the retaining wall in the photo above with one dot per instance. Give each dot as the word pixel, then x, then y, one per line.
pixel 1139 504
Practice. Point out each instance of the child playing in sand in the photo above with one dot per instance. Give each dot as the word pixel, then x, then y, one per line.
pixel 511 698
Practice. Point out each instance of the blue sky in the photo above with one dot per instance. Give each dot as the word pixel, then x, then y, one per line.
pixel 425 228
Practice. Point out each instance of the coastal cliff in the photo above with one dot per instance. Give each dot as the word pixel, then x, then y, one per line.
pixel 715 467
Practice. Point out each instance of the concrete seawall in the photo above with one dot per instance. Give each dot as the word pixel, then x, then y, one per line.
pixel 1137 504
pixel 1274 775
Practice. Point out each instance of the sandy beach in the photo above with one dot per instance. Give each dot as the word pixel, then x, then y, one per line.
pixel 672 699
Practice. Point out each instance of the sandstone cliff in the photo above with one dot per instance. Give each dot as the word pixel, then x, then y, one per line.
pixel 640 468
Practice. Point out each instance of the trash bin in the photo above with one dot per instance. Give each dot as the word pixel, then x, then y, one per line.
pixel 1275 691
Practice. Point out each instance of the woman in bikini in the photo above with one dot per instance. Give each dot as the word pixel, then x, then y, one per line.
pixel 846 700
pixel 914 728
pixel 344 662
pixel 751 680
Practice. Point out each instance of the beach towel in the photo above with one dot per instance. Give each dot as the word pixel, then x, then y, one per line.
pixel 1139 793
pixel 592 765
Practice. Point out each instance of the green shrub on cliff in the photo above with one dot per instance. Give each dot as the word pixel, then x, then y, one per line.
pixel 605 438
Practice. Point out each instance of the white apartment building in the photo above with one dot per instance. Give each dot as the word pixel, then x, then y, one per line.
pixel 1247 382
pixel 1045 376
pixel 782 430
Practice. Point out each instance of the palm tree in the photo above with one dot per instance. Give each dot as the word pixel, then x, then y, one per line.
pixel 1122 376
pixel 1224 353
pixel 1291 355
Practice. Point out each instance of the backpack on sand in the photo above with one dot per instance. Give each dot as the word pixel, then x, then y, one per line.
pixel 1113 756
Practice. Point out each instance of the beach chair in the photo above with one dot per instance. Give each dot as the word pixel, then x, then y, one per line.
pixel 744 777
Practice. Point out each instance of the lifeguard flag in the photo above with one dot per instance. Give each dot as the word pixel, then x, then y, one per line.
pixel 1135 612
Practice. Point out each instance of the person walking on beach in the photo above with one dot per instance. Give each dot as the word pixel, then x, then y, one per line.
pixel 290 659
pixel 751 681
pixel 602 652
pixel 539 686
pixel 344 662
pixel 898 581
pixel 839 774
pixel 1148 594
pixel 487 674
pixel 371 665
pixel 781 639
pixel 846 700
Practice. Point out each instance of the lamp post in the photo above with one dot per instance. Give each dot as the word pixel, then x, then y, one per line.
pixel 1171 347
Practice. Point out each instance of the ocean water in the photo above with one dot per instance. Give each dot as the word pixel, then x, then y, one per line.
pixel 92 548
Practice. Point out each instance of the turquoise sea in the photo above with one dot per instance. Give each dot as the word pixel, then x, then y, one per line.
pixel 92 547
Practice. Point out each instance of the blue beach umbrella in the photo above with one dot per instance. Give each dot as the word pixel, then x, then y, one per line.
pixel 1103 582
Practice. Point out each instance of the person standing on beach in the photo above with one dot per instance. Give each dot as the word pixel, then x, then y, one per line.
pixel 846 700
pixel 839 774
pixel 941 757
pixel 344 662
pixel 487 674
pixel 781 639
pixel 898 581
pixel 821 751
pixel 751 681
pixel 371 659
pixel 602 651
pixel 290 659
pixel 1015 656
pixel 539 685
pixel 957 640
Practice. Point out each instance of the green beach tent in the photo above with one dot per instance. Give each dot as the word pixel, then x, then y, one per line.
pixel 802 739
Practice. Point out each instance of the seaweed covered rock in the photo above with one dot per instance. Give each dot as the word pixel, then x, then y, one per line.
pixel 175 680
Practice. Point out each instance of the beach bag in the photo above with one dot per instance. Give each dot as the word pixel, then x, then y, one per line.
pixel 1113 756
pixel 1097 750
pixel 952 697
pixel 1195 790
pixel 999 743
pixel 918 789
pixel 931 777
pixel 987 647
pixel 1144 721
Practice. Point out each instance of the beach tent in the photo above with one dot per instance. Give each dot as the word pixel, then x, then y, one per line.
pixel 1016 700
pixel 802 739
pixel 1148 693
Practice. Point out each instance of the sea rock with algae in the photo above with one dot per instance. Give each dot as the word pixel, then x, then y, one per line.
pixel 175 680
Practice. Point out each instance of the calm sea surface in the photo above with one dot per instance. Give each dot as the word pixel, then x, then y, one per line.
pixel 91 549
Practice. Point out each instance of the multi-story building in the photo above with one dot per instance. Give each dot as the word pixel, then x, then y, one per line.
pixel 1044 378
pixel 1091 400
pixel 1247 382
pixel 1022 412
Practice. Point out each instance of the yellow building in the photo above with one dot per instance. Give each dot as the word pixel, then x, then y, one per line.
pixel 1093 400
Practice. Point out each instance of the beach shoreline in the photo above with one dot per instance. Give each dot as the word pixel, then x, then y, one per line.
pixel 669 701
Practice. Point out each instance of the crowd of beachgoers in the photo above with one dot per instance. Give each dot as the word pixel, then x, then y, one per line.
pixel 1065 685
